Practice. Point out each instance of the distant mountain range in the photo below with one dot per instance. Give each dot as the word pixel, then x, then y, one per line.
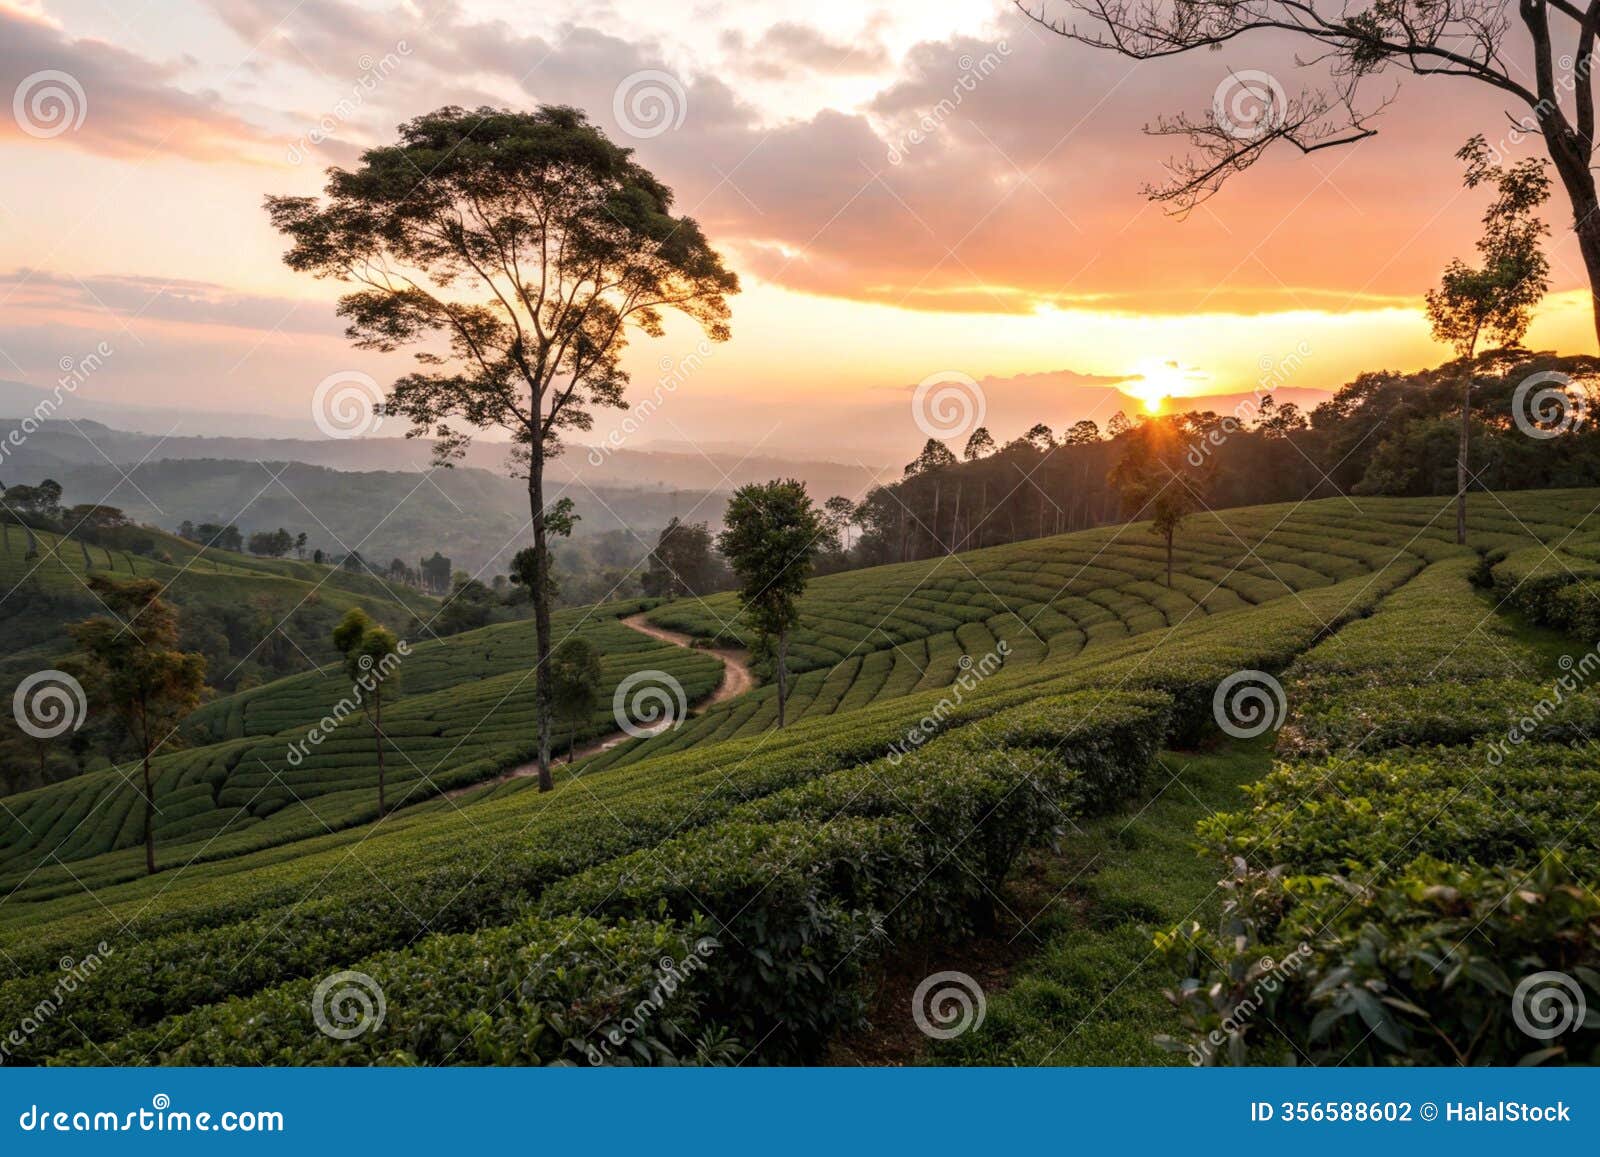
pixel 379 495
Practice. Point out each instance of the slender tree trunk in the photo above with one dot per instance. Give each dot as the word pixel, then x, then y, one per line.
pixel 783 673
pixel 572 742
pixel 544 692
pixel 1169 560
pixel 149 796
pixel 377 727
pixel 1461 457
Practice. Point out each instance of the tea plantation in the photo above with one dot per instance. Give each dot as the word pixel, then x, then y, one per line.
pixel 960 726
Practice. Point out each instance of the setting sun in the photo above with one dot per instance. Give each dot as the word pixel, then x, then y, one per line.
pixel 1162 378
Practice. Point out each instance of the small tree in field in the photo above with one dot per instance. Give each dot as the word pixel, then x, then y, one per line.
pixel 515 249
pixel 575 670
pixel 1495 301
pixel 1153 482
pixel 773 536
pixel 133 668
pixel 372 657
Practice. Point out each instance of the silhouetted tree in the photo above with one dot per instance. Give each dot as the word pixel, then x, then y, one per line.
pixel 772 538
pixel 681 563
pixel 372 657
pixel 130 665
pixel 1155 479
pixel 576 673
pixel 1495 301
pixel 523 244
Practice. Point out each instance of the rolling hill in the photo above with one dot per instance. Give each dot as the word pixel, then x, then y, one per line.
pixel 954 718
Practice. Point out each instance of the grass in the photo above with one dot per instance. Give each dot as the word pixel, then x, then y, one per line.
pixel 1089 991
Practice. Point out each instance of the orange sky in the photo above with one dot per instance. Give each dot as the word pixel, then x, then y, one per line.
pixel 906 190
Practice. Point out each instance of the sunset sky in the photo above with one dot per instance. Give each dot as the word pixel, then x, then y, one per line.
pixel 1011 244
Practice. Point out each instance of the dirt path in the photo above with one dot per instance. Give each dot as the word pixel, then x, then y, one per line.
pixel 736 680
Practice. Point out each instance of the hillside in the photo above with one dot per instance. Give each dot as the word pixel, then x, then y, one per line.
pixel 956 716
pixel 252 618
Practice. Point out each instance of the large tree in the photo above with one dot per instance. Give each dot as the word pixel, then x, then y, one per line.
pixel 131 666
pixel 1494 301
pixel 514 249
pixel 1539 54
pixel 773 536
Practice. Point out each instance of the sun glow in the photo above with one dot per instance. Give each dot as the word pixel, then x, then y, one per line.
pixel 1159 379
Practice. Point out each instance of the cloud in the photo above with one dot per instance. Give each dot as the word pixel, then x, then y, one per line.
pixel 92 95
pixel 135 298
pixel 788 50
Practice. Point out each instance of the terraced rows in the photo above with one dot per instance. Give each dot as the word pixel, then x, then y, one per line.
pixel 894 631
pixel 245 794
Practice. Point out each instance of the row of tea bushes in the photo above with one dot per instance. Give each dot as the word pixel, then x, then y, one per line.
pixel 1391 900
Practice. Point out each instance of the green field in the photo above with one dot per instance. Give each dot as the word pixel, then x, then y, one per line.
pixel 917 782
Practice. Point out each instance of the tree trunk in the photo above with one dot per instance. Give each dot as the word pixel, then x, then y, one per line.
pixel 544 692
pixel 783 673
pixel 1588 230
pixel 572 742
pixel 1461 458
pixel 149 816
pixel 377 727
pixel 1169 560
